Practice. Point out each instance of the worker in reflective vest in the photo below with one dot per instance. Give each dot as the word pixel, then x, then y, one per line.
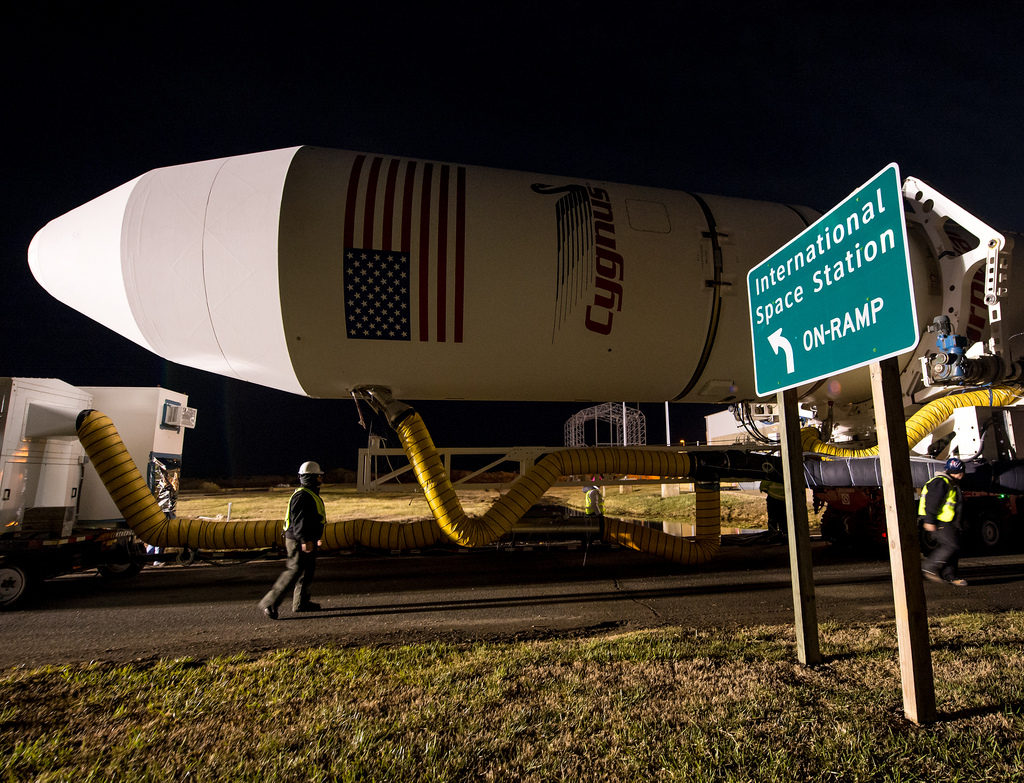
pixel 939 512
pixel 775 502
pixel 303 528
pixel 593 506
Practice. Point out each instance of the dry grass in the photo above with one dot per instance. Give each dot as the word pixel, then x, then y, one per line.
pixel 671 704
pixel 739 509
pixel 340 502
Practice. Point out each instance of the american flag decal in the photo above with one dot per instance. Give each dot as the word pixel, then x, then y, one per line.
pixel 405 217
pixel 376 294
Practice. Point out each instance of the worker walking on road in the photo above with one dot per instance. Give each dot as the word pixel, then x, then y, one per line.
pixel 303 528
pixel 939 511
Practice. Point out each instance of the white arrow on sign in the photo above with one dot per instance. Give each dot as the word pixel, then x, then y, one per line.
pixel 777 341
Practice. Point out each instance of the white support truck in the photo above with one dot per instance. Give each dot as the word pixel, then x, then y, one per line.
pixel 55 515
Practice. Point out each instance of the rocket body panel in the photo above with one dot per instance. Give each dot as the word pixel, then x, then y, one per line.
pixel 318 271
pixel 162 251
pixel 240 251
pixel 200 265
pixel 520 286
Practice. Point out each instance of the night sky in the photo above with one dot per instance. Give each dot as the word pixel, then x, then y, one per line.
pixel 757 103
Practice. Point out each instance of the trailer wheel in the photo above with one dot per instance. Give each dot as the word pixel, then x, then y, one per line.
pixel 119 570
pixel 14 583
pixel 834 527
pixel 991 533
pixel 126 561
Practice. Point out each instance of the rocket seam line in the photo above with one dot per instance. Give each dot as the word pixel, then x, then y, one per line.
pixel 716 307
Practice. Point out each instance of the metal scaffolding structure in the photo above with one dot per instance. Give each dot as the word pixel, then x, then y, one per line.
pixel 602 425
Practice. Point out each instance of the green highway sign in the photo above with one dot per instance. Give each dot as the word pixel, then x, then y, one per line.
pixel 840 295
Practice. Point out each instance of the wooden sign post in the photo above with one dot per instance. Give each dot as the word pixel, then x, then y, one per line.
pixel 789 311
pixel 805 608
pixel 904 547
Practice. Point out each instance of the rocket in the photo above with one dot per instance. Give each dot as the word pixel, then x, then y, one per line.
pixel 319 271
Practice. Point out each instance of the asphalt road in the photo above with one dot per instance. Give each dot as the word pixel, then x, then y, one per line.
pixel 210 609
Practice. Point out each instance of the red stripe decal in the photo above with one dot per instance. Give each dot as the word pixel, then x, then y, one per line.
pixel 460 250
pixel 428 173
pixel 442 257
pixel 350 200
pixel 370 205
pixel 389 206
pixel 407 196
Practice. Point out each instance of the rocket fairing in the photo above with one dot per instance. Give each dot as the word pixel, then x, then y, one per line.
pixel 319 271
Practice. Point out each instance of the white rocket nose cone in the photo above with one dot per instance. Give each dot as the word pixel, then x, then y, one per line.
pixel 77 259
pixel 183 261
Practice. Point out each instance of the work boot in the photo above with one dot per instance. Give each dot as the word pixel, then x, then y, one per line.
pixel 269 612
pixel 931 576
pixel 957 582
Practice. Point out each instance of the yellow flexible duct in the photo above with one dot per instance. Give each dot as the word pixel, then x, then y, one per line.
pixel 527 490
pixel 688 551
pixel 120 476
pixel 143 514
pixel 380 534
pixel 135 501
pixel 921 423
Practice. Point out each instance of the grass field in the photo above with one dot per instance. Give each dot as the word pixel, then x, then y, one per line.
pixel 672 704
pixel 739 509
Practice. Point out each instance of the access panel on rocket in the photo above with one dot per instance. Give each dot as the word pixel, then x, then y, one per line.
pixel 319 271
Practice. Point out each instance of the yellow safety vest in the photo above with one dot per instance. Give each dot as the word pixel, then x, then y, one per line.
pixel 594 508
pixel 774 489
pixel 319 506
pixel 948 511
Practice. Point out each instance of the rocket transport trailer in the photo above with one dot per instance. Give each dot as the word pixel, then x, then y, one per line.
pixel 356 275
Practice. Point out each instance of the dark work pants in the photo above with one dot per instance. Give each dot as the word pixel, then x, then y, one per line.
pixel 946 556
pixel 298 574
pixel 776 514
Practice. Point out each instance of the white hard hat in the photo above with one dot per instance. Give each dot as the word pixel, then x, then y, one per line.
pixel 310 468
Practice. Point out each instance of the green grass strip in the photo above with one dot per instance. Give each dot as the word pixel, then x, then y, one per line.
pixel 672 704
